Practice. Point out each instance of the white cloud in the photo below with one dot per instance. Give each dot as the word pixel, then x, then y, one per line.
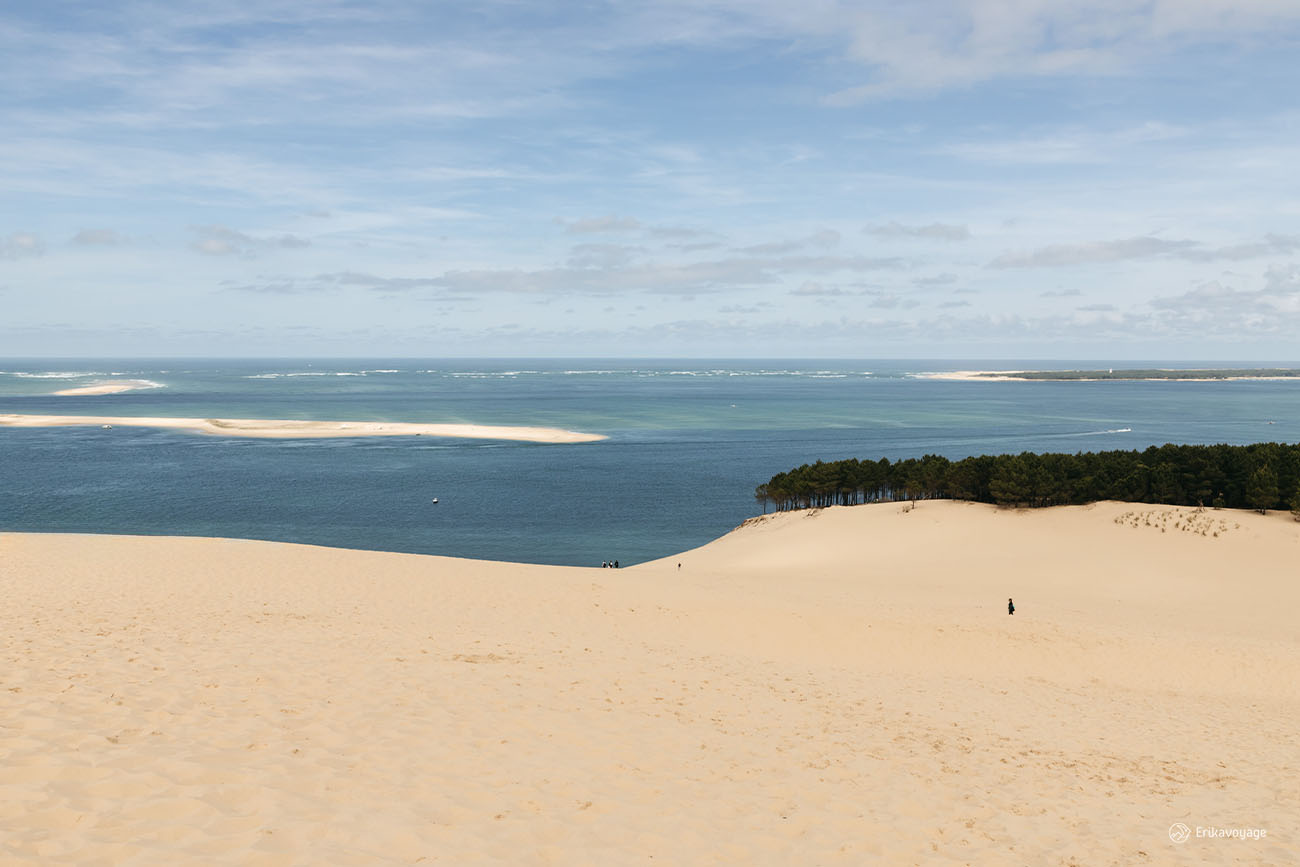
pixel 1271 245
pixel 771 248
pixel 602 255
pixel 20 245
pixel 654 278
pixel 608 223
pixel 595 270
pixel 282 287
pixel 1057 255
pixel 1145 247
pixel 1073 145
pixel 1278 298
pixel 809 289
pixel 224 241
pixel 99 237
pixel 824 238
pixel 934 231
pixel 375 283
pixel 1282 278
pixel 680 233
pixel 931 46
pixel 944 279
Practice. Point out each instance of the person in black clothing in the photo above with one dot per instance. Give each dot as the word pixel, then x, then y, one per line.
pixel 1011 607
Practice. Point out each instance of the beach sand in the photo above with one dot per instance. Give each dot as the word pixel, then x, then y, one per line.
pixel 833 687
pixel 301 429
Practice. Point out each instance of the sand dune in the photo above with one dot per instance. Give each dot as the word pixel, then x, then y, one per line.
pixel 300 429
pixel 838 687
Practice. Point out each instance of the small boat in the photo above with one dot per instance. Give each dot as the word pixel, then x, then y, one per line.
pixel 435 499
pixel 110 427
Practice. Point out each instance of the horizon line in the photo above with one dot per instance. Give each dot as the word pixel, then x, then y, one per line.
pixel 746 358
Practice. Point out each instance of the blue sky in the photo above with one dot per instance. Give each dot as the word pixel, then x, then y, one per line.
pixel 1020 178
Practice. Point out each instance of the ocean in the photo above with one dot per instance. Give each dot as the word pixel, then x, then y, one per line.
pixel 688 440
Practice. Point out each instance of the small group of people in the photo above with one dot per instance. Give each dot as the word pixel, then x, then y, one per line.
pixel 609 564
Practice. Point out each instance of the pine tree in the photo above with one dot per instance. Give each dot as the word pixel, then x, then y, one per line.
pixel 1261 489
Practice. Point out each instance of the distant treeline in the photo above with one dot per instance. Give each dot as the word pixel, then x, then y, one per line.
pixel 1260 476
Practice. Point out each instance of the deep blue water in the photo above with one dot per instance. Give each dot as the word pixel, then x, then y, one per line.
pixel 688 442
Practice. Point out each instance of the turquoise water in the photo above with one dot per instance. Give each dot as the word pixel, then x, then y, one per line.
pixel 688 441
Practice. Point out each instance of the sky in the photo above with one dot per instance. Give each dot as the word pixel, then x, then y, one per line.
pixel 666 178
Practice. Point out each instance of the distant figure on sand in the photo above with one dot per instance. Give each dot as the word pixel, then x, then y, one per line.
pixel 1011 607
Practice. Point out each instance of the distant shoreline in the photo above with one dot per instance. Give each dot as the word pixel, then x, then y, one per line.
pixel 1145 375
pixel 294 429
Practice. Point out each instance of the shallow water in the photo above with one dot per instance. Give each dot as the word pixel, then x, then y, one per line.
pixel 688 442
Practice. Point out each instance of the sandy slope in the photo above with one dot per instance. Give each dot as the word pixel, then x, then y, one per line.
pixel 300 429
pixel 841 687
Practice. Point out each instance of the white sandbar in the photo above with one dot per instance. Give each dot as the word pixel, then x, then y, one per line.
pixel 107 388
pixel 296 428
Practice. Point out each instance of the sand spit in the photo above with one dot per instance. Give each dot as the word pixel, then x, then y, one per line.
pixel 293 429
pixel 116 387
pixel 1019 376
pixel 976 375
pixel 834 687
